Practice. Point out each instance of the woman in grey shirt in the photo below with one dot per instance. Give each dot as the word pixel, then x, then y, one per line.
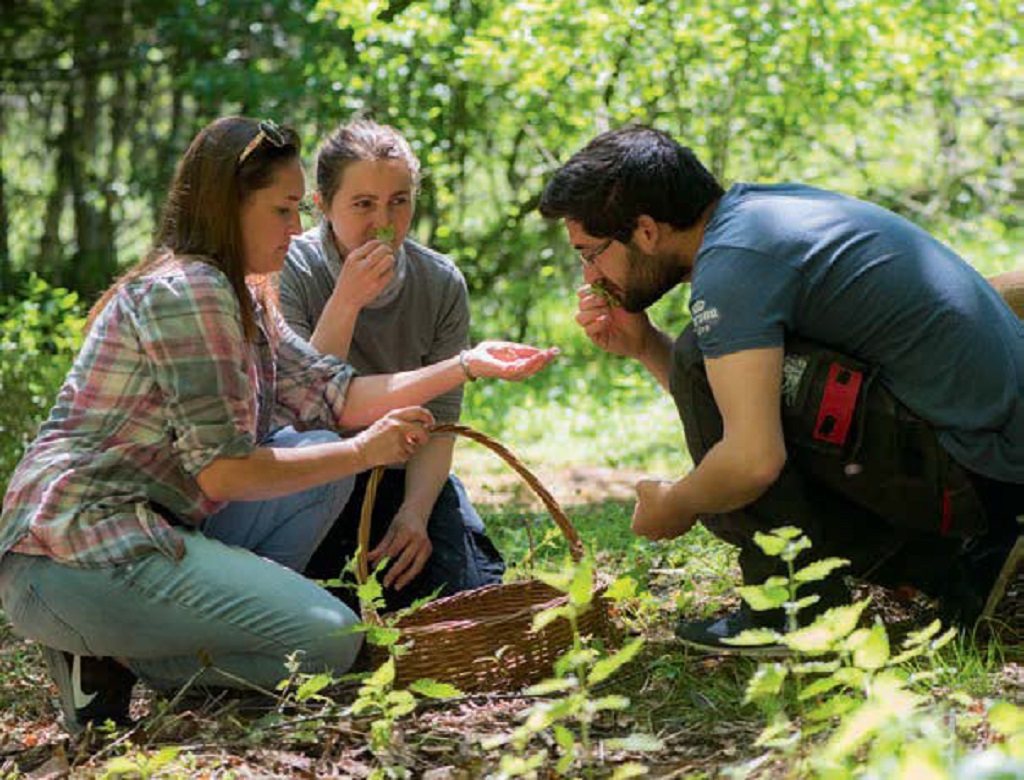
pixel 356 287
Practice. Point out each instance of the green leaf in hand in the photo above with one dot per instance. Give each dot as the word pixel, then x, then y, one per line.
pixel 386 233
pixel 601 290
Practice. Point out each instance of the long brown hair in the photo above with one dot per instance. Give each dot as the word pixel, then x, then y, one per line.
pixel 201 217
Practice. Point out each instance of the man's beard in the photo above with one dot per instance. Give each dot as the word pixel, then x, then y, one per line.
pixel 648 277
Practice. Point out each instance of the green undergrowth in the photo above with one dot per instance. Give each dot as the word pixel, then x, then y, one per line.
pixel 687 715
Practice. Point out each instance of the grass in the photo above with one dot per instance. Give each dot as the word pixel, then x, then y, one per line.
pixel 588 426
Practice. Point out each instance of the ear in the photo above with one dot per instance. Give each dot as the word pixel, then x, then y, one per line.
pixel 646 233
pixel 319 202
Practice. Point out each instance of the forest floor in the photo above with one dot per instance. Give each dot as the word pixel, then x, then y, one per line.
pixel 692 704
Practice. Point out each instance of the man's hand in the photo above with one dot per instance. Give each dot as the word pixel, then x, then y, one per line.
pixel 611 328
pixel 656 516
pixel 408 547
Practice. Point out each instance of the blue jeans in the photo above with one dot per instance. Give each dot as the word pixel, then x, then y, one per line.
pixel 228 613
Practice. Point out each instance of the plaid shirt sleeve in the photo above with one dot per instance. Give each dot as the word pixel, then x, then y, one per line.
pixel 189 329
pixel 311 387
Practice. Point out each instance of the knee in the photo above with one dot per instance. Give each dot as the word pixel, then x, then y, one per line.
pixel 332 642
pixel 331 497
pixel 455 500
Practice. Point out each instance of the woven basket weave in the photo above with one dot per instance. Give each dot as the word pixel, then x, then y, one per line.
pixel 483 640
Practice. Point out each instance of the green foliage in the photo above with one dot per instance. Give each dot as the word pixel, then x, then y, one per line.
pixel 572 700
pixel 140 764
pixel 377 697
pixel 40 332
pixel 851 706
pixel 916 105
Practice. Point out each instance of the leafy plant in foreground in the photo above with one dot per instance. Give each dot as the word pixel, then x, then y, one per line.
pixel 573 698
pixel 861 699
pixel 378 697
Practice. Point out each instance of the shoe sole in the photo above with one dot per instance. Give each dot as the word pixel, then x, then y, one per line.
pixel 60 671
pixel 1009 572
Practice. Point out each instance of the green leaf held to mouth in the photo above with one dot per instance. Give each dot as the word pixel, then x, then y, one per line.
pixel 386 233
pixel 599 289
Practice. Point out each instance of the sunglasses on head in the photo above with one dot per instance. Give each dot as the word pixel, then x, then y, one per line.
pixel 269 132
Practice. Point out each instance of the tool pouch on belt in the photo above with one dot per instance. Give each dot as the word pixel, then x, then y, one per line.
pixel 849 432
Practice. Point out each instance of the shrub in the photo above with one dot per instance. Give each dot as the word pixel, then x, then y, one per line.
pixel 40 332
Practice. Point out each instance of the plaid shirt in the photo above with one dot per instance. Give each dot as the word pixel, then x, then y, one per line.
pixel 164 384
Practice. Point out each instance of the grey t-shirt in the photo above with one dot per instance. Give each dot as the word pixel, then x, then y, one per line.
pixel 427 321
pixel 786 258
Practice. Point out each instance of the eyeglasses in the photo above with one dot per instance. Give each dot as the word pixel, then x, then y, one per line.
pixel 268 131
pixel 590 257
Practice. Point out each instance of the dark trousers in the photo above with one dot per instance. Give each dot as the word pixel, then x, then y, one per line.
pixel 463 557
pixel 884 543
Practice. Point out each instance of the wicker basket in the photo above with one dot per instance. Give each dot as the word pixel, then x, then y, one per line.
pixel 482 640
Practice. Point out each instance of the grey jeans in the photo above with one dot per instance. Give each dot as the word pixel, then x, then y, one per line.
pixel 231 610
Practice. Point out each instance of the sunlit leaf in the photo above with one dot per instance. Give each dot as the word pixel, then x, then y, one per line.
pixel 581 591
pixel 1006 718
pixel 312 686
pixel 754 637
pixel 622 588
pixel 819 570
pixel 434 690
pixel 872 652
pixel 552 685
pixel 640 743
pixel 606 667
pixel 766 682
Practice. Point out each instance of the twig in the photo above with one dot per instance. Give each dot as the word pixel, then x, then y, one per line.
pixel 174 703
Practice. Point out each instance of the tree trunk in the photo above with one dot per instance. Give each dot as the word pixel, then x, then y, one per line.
pixel 119 122
pixel 91 263
pixel 51 249
pixel 5 247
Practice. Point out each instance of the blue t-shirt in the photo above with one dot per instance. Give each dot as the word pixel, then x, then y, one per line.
pixel 789 259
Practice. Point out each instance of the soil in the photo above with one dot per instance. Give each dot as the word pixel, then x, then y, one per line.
pixel 569 486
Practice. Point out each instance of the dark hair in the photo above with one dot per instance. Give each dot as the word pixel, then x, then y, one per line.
pixel 201 217
pixel 361 139
pixel 627 172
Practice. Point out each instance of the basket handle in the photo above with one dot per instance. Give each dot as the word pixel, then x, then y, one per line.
pixel 559 516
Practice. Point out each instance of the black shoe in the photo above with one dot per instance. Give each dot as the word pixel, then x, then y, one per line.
pixel 989 567
pixel 708 635
pixel 92 690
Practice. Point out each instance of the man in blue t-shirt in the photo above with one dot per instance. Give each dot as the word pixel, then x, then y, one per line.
pixel 844 372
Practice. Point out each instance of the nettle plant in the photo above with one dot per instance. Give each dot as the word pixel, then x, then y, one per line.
pixel 840 676
pixel 377 698
pixel 571 702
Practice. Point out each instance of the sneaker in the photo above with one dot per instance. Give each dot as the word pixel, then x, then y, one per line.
pixel 708 636
pixel 92 690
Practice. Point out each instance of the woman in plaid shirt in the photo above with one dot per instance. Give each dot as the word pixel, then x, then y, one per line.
pixel 160 448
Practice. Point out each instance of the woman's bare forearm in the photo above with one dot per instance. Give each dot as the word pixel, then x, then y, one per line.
pixel 272 472
pixel 334 329
pixel 425 475
pixel 369 397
